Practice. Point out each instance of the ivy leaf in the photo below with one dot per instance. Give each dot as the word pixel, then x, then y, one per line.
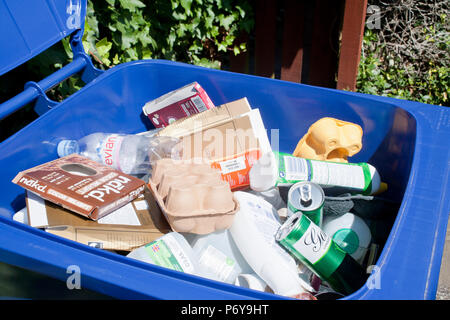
pixel 226 21
pixel 131 5
pixel 186 4
pixel 103 47
pixel 221 47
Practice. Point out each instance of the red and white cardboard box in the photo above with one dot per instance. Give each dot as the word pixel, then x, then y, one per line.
pixel 177 104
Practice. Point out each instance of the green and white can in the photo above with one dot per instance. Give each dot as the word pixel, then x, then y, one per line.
pixel 316 250
pixel 308 198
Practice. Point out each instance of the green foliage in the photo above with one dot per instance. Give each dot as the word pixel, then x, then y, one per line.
pixel 200 32
pixel 387 74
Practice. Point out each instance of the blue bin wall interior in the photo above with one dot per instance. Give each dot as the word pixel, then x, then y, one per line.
pixel 113 103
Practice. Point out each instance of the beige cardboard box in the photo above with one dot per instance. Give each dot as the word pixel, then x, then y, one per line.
pixel 231 136
pixel 133 225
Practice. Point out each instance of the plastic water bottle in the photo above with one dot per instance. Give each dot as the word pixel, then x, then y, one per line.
pixel 219 254
pixel 172 251
pixel 131 154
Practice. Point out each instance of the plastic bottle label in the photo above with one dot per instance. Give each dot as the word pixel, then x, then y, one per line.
pixel 296 169
pixel 335 174
pixel 349 175
pixel 168 253
pixel 109 150
pixel 267 224
pixel 217 262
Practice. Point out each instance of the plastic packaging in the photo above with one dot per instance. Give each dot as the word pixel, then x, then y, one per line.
pixel 282 169
pixel 330 139
pixel 272 196
pixel 253 230
pixel 350 232
pixel 129 153
pixel 174 252
pixel 219 255
pixel 192 196
pixel 222 241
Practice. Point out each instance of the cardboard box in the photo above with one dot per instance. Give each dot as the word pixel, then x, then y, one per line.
pixel 81 185
pixel 177 104
pixel 131 226
pixel 231 136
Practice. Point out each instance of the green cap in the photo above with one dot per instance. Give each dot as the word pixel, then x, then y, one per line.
pixel 347 240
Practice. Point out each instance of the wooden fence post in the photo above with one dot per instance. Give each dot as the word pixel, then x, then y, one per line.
pixel 292 52
pixel 352 36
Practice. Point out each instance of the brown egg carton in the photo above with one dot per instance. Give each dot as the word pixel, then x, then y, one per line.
pixel 193 196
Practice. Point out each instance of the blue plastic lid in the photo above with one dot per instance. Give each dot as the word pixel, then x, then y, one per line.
pixel 66 147
pixel 31 26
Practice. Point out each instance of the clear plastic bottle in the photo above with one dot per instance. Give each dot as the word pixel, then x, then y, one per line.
pixel 174 252
pixel 219 254
pixel 129 153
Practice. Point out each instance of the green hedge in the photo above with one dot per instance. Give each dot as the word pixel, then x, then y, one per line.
pixel 407 58
pixel 200 32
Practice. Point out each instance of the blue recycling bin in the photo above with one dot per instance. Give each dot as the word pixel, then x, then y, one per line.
pixel 407 142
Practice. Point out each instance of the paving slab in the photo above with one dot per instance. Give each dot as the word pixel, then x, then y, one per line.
pixel 443 292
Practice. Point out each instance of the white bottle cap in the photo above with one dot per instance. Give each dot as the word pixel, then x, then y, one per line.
pixel 375 177
pixel 264 173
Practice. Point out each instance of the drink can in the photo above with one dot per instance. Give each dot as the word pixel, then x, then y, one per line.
pixel 307 197
pixel 309 244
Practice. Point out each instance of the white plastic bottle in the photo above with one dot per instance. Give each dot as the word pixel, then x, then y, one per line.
pixel 171 251
pixel 253 231
pixel 350 232
pixel 131 154
pixel 218 253
pixel 282 169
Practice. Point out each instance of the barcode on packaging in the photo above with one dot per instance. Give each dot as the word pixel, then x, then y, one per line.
pixel 295 168
pixel 199 104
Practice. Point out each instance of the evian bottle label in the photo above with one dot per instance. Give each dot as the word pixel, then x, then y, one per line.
pixel 109 150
